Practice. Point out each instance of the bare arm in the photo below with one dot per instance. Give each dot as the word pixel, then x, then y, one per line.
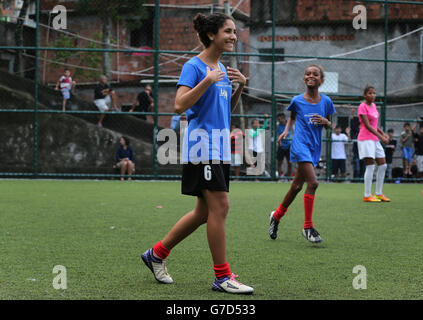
pixel 381 131
pixel 134 104
pixel 413 129
pixel 378 133
pixel 320 120
pixel 403 140
pixel 288 126
pixel 348 132
pixel 236 76
pixel 235 97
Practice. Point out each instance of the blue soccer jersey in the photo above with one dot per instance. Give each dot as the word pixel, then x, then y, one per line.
pixel 208 133
pixel 285 143
pixel 307 141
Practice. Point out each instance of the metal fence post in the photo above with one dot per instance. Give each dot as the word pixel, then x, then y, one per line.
pixel 156 85
pixel 36 78
pixel 273 126
pixel 385 87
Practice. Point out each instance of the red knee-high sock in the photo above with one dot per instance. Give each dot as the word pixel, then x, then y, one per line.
pixel 308 210
pixel 280 212
pixel 222 270
pixel 161 251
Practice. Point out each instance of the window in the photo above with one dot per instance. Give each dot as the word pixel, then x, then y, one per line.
pixel 269 58
pixel 143 36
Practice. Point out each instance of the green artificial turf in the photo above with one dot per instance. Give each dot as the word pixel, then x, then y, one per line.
pixel 98 229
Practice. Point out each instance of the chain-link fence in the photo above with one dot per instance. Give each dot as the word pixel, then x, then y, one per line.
pixel 54 54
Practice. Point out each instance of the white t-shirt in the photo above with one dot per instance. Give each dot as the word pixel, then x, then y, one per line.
pixel 65 83
pixel 255 141
pixel 338 147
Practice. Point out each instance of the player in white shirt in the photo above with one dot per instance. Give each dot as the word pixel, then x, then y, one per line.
pixel 338 151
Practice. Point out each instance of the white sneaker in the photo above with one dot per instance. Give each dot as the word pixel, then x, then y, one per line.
pixel 230 285
pixel 312 235
pixel 157 267
pixel 273 228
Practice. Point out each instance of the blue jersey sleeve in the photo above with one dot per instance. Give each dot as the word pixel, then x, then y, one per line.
pixel 330 108
pixel 189 76
pixel 292 105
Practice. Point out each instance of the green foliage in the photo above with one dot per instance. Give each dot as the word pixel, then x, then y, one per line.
pixel 129 11
pixel 91 60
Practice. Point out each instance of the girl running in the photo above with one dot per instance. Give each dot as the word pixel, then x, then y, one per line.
pixel 311 111
pixel 369 147
pixel 205 94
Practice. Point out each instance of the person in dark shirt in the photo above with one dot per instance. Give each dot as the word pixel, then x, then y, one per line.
pixel 418 149
pixel 389 152
pixel 125 159
pixel 283 149
pixel 143 102
pixel 104 98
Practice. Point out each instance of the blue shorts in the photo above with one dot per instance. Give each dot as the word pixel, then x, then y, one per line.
pixel 65 93
pixel 301 153
pixel 407 153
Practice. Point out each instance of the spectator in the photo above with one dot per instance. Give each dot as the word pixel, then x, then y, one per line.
pixel 236 149
pixel 407 149
pixel 339 156
pixel 104 97
pixel 418 147
pixel 143 102
pixel 389 152
pixel 284 148
pixel 125 158
pixel 255 143
pixel 66 85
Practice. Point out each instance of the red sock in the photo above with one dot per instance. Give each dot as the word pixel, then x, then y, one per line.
pixel 280 212
pixel 222 270
pixel 161 251
pixel 308 210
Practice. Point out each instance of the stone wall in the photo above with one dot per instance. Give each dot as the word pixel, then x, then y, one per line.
pixel 67 143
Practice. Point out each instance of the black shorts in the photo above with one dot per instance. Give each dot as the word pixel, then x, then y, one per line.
pixel 201 176
pixel 338 164
pixel 282 153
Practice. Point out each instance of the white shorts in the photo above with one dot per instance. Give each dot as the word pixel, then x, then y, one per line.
pixel 419 160
pixel 103 104
pixel 370 149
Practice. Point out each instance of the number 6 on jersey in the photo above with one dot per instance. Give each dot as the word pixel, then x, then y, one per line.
pixel 207 172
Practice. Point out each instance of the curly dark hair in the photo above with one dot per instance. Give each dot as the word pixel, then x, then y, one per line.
pixel 322 71
pixel 126 139
pixel 368 88
pixel 209 24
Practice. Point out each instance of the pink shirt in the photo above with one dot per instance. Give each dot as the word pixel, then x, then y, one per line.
pixel 373 116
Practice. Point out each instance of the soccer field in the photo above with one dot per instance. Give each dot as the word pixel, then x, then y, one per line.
pixel 98 229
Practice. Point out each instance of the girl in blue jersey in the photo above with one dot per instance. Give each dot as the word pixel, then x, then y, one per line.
pixel 205 95
pixel 311 111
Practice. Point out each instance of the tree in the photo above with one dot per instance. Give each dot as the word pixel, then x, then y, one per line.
pixel 93 60
pixel 109 11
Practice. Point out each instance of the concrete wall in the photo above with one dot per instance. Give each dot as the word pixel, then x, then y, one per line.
pixel 66 143
pixel 336 40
